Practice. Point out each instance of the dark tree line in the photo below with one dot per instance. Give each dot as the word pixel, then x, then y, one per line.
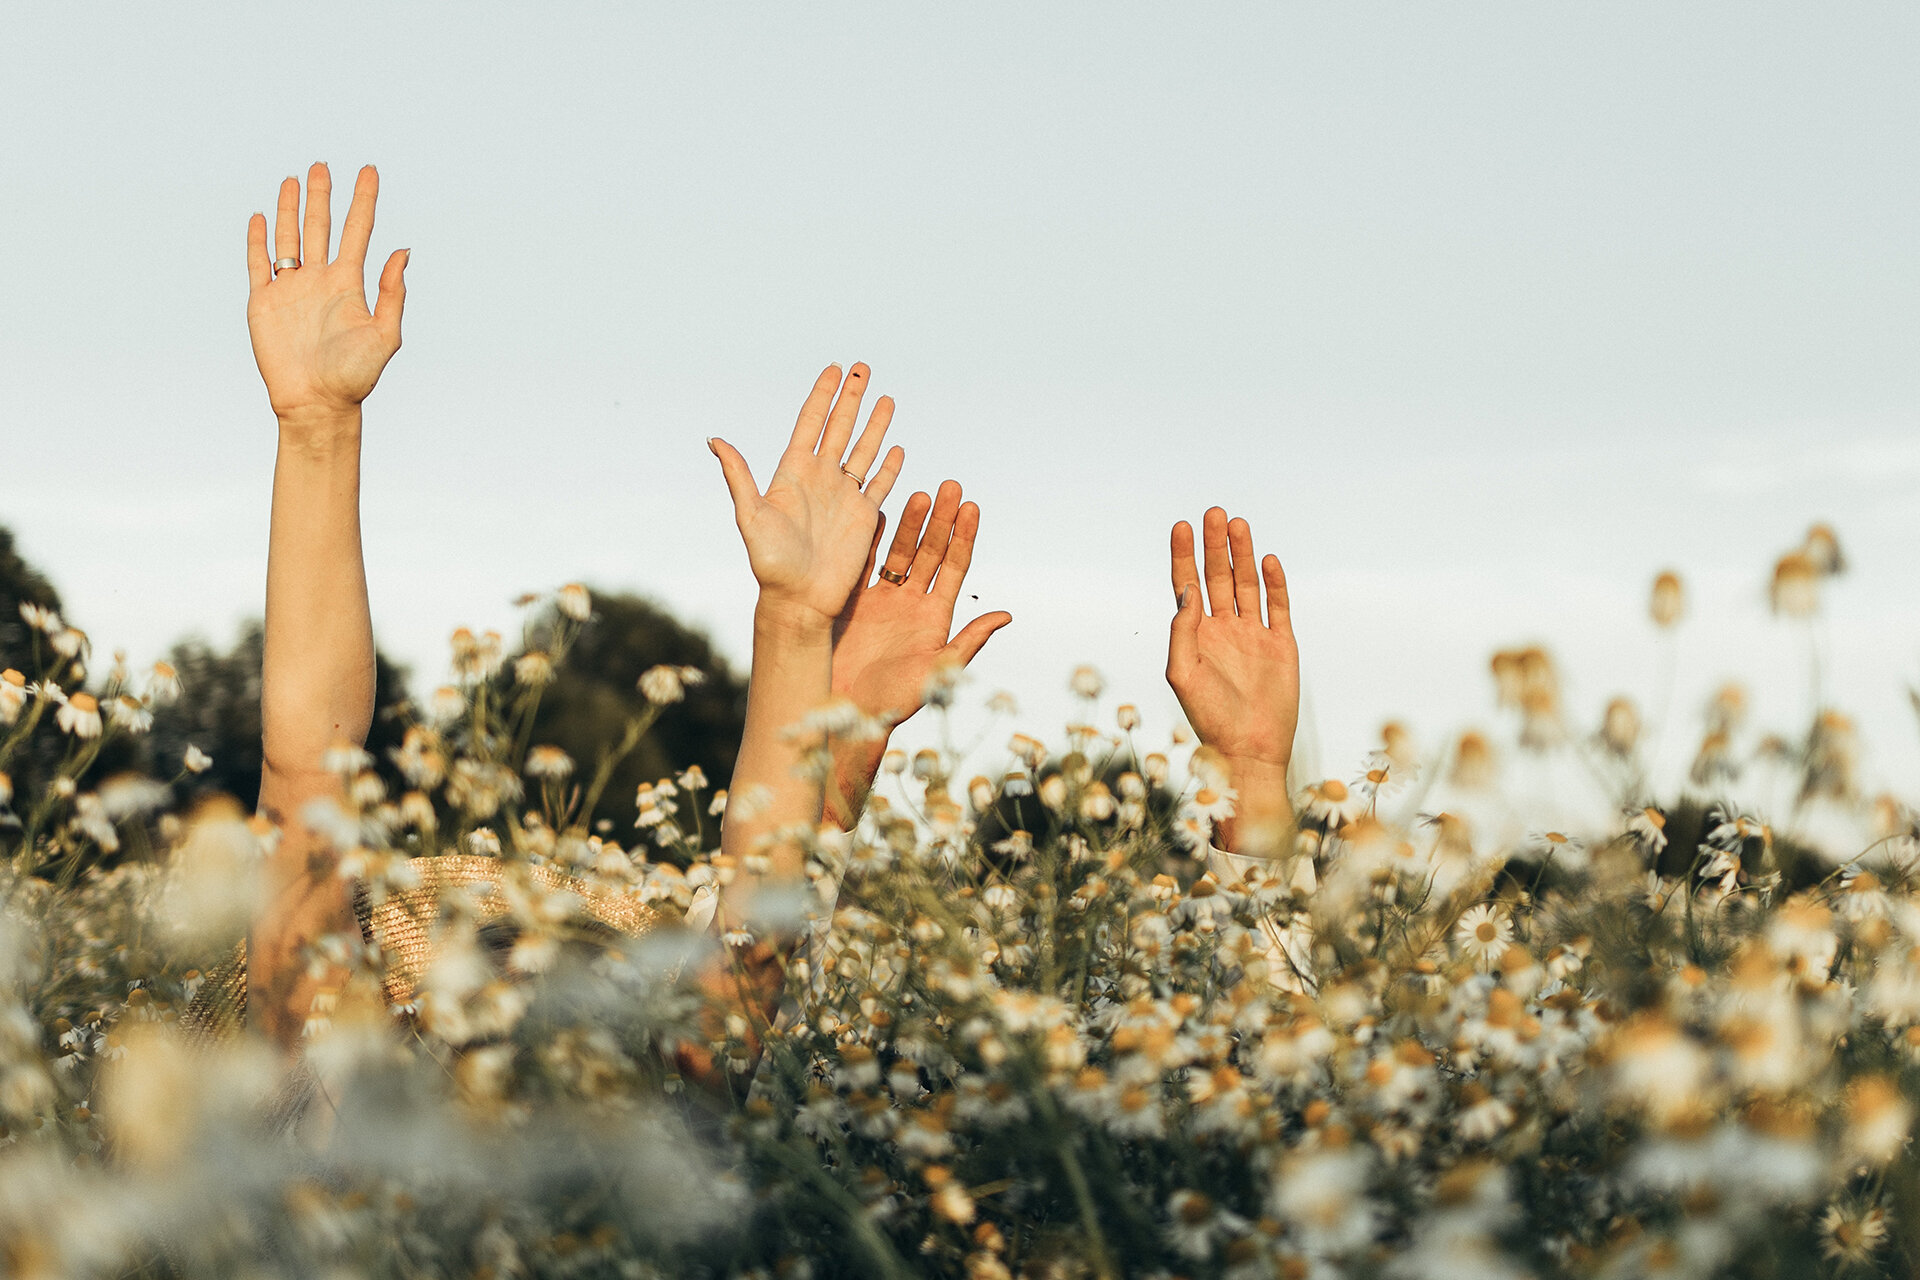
pixel 588 705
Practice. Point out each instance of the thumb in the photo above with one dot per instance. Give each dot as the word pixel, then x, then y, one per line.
pixel 739 477
pixel 973 637
pixel 1183 645
pixel 393 293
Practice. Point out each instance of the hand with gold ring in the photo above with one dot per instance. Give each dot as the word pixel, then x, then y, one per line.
pixel 894 633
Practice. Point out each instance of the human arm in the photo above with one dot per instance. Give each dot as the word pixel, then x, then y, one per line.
pixel 1237 677
pixel 807 537
pixel 320 351
pixel 892 636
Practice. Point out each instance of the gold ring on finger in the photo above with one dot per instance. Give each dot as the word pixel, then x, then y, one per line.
pixel 895 578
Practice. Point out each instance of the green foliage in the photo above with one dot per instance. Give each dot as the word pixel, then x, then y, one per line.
pixel 219 712
pixel 595 694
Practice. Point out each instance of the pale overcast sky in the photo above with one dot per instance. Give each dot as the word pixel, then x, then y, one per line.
pixel 1483 314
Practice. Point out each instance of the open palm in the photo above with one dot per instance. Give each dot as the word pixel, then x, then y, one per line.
pixel 893 635
pixel 809 533
pixel 1237 678
pixel 318 346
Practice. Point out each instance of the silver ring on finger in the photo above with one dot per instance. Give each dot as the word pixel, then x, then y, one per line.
pixel 285 264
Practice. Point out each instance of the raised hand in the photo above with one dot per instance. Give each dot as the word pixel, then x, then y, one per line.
pixel 893 634
pixel 1237 677
pixel 320 350
pixel 809 533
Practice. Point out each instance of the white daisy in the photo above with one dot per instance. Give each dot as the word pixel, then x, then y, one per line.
pixel 1483 935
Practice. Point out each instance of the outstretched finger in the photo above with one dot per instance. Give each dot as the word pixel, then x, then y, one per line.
pixel 846 415
pixel 813 414
pixel 259 267
pixel 882 483
pixel 1186 573
pixel 745 493
pixel 933 542
pixel 1219 566
pixel 357 231
pixel 867 447
pixel 286 222
pixel 953 569
pixel 912 517
pixel 974 636
pixel 1246 578
pixel 318 236
pixel 393 294
pixel 1279 607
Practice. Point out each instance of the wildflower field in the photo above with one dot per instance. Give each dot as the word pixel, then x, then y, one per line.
pixel 1034 1029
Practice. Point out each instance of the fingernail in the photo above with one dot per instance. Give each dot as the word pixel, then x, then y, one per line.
pixel 710 447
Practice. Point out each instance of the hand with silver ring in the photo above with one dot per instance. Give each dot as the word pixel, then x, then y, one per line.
pixel 319 346
pixel 807 534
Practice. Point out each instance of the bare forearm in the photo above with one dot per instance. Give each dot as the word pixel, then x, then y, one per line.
pixel 1263 811
pixel 317 685
pixel 302 898
pixel 792 668
pixel 855 765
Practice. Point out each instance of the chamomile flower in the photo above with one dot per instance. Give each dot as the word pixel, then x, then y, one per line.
pixel 1483 934
pixel 1330 803
pixel 130 714
pixel 1669 602
pixel 1650 826
pixel 80 716
pixel 1851 1234
pixel 163 684
pixel 1215 805
pixel 533 669
pixel 13 695
pixel 1795 589
pixel 548 762
pixel 574 601
pixel 662 686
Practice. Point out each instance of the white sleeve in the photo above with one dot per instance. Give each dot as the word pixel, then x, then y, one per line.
pixel 1234 867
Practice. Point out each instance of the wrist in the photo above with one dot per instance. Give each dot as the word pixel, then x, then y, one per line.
pixel 1256 771
pixel 781 618
pixel 320 429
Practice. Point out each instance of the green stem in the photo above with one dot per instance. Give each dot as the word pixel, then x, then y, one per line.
pixel 1082 1194
pixel 636 730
